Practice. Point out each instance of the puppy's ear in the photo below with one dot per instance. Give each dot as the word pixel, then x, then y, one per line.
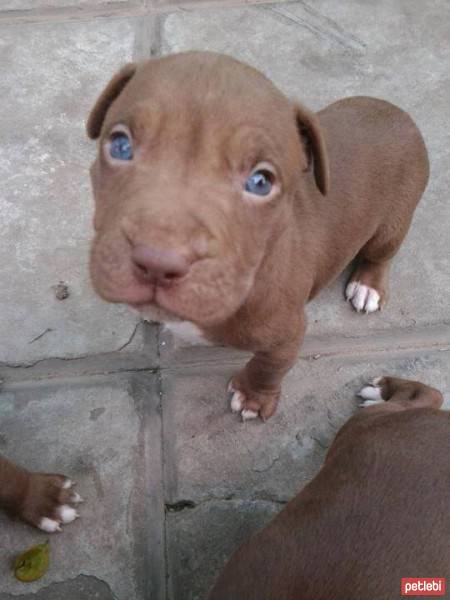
pixel 314 143
pixel 106 98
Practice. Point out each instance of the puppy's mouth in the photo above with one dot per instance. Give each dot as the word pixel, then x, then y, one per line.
pixel 146 298
pixel 153 304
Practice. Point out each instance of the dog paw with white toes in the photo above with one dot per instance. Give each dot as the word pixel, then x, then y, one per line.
pixel 50 502
pixel 252 404
pixel 362 297
pixel 237 404
pixel 65 514
pixel 371 393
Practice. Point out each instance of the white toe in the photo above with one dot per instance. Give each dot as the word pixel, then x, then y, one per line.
pixel 248 414
pixel 67 513
pixel 376 380
pixel 368 403
pixel 230 387
pixel 49 525
pixel 351 289
pixel 363 297
pixel 373 301
pixel 76 498
pixel 371 392
pixel 360 297
pixel 67 484
pixel 237 402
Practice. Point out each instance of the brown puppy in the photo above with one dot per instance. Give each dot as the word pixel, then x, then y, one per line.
pixel 222 203
pixel 378 510
pixel 43 500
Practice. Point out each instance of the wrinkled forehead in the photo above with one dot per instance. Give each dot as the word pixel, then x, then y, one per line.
pixel 208 101
pixel 202 84
pixel 207 77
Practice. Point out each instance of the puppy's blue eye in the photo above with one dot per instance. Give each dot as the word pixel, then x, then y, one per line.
pixel 259 183
pixel 120 146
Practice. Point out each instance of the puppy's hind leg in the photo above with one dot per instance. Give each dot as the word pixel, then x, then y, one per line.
pixel 401 394
pixel 367 288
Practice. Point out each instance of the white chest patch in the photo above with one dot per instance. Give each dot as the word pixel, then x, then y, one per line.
pixel 186 334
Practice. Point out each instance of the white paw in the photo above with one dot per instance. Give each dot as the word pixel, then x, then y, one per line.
pixel 49 525
pixel 362 297
pixel 237 401
pixel 67 514
pixel 64 513
pixel 237 404
pixel 368 403
pixel 76 498
pixel 371 394
pixel 248 414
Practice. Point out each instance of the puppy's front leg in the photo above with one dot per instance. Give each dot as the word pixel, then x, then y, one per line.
pixel 43 500
pixel 256 389
pixel 13 485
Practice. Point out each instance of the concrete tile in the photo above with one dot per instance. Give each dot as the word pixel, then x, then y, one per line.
pixel 319 52
pixel 183 4
pixel 225 479
pixel 210 454
pixel 104 433
pixel 200 541
pixel 48 83
pixel 139 353
pixel 83 587
pixel 79 4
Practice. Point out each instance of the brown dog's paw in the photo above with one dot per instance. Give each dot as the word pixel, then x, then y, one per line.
pixel 367 289
pixel 401 393
pixel 373 393
pixel 49 502
pixel 363 297
pixel 251 405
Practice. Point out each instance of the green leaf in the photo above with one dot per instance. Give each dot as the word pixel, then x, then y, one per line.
pixel 33 564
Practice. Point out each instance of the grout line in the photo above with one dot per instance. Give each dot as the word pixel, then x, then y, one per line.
pixel 167 585
pixel 432 338
pixel 156 33
pixel 397 344
pixel 187 505
pixel 148 38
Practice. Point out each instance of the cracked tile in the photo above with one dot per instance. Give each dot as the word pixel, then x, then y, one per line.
pixel 226 478
pixel 320 51
pixel 45 199
pixel 79 4
pixel 104 433
pixel 201 539
pixel 210 453
pixel 83 587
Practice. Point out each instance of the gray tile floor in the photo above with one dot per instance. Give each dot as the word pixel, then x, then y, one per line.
pixel 173 481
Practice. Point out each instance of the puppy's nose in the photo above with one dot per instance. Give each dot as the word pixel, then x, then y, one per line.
pixel 159 265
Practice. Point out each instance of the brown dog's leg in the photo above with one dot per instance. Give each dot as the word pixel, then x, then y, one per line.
pixel 401 394
pixel 42 500
pixel 257 388
pixel 367 288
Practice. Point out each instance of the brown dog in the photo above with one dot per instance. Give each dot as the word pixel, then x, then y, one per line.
pixel 222 203
pixel 43 500
pixel 378 510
